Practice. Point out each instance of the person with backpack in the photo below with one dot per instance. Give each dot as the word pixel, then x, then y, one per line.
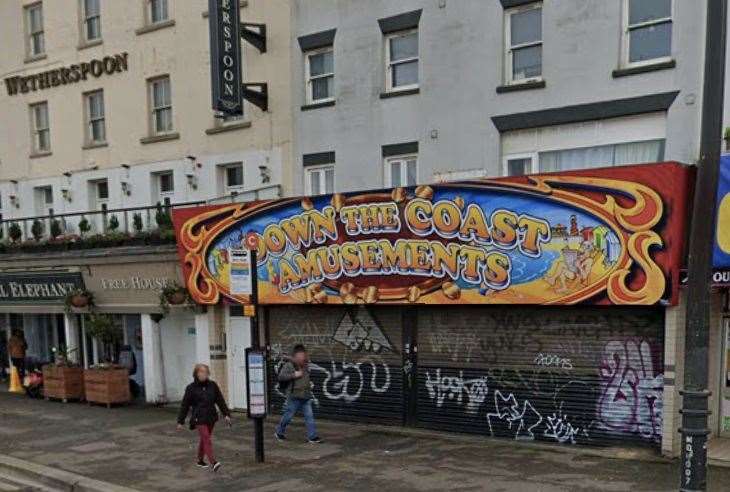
pixel 203 395
pixel 294 382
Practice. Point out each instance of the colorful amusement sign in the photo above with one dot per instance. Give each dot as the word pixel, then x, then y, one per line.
pixel 604 236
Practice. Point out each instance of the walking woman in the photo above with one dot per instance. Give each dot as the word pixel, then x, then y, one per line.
pixel 202 396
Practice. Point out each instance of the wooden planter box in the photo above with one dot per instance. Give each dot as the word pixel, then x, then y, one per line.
pixel 107 386
pixel 63 383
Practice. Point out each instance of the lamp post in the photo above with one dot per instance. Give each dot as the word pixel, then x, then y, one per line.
pixel 697 323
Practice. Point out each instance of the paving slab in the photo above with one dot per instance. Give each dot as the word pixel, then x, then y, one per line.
pixel 138 447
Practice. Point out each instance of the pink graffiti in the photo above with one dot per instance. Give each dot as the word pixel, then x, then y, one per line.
pixel 631 394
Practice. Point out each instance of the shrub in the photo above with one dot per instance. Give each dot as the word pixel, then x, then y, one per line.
pixel 113 223
pixel 37 229
pixel 162 217
pixel 56 229
pixel 15 232
pixel 84 226
pixel 137 223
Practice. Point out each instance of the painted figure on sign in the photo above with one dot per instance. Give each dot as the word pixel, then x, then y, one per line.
pixel 296 384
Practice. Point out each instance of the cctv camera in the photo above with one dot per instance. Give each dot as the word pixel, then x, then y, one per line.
pixel 189 174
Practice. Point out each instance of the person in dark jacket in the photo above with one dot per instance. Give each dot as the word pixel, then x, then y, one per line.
pixel 294 375
pixel 202 396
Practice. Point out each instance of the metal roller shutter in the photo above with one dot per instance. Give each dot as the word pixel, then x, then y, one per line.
pixel 355 353
pixel 572 375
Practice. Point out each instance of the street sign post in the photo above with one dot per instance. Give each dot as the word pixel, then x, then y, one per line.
pixel 225 56
pixel 256 365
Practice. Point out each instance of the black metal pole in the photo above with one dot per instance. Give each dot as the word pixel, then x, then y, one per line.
pixel 697 324
pixel 258 422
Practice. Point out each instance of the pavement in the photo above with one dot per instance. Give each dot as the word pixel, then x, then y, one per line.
pixel 138 447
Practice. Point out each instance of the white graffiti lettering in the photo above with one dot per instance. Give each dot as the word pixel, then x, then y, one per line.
pixel 552 360
pixel 521 421
pixel 345 381
pixel 472 392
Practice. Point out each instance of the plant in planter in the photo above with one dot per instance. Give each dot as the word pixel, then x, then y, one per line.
pixel 173 295
pixel 113 223
pixel 56 229
pixel 84 226
pixel 63 379
pixel 137 223
pixel 726 136
pixel 102 328
pixel 79 299
pixel 162 217
pixel 15 232
pixel 37 229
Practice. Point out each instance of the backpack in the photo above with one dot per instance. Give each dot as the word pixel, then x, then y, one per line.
pixel 282 386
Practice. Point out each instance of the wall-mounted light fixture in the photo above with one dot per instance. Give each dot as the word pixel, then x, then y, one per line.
pixel 66 194
pixel 265 173
pixel 126 188
pixel 192 180
pixel 13 196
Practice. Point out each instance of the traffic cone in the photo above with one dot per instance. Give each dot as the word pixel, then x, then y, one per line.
pixel 15 386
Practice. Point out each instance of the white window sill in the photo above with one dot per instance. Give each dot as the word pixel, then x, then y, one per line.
pixel 155 27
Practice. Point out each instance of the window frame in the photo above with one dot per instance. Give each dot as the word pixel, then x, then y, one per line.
pixel 509 48
pixel 36 130
pixel 149 12
pixel 155 110
pixel 626 29
pixel 321 170
pixel 534 163
pixel 308 79
pixel 389 64
pixel 89 132
pixel 403 158
pixel 30 33
pixel 85 19
pixel 228 189
pixel 158 180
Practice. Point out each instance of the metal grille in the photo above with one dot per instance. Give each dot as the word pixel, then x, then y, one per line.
pixel 568 375
pixel 355 353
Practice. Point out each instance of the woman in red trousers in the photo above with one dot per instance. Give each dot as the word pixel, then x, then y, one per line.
pixel 202 396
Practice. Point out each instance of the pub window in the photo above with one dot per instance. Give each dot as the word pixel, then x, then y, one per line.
pixel 40 128
pixel 165 183
pixel 523 41
pixel 233 177
pixel 95 117
pixel 91 15
pixel 320 68
pixel 157 11
pixel 36 42
pixel 160 105
pixel 401 60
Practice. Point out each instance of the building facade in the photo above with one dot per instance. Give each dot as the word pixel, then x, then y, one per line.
pixel 106 104
pixel 106 114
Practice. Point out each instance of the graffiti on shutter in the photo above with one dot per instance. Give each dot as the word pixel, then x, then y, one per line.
pixel 355 358
pixel 572 376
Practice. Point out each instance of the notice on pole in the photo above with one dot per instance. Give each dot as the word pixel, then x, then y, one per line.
pixel 256 379
pixel 240 262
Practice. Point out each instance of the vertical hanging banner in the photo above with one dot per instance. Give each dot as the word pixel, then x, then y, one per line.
pixel 225 56
pixel 596 236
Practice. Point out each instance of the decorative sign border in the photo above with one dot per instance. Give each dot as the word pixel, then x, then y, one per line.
pixel 643 268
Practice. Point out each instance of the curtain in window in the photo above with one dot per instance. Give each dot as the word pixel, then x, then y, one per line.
pixel 602 156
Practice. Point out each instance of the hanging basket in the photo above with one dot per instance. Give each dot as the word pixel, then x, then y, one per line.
pixel 177 298
pixel 79 300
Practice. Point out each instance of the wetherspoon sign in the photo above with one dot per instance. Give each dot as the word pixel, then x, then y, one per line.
pixel 225 56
